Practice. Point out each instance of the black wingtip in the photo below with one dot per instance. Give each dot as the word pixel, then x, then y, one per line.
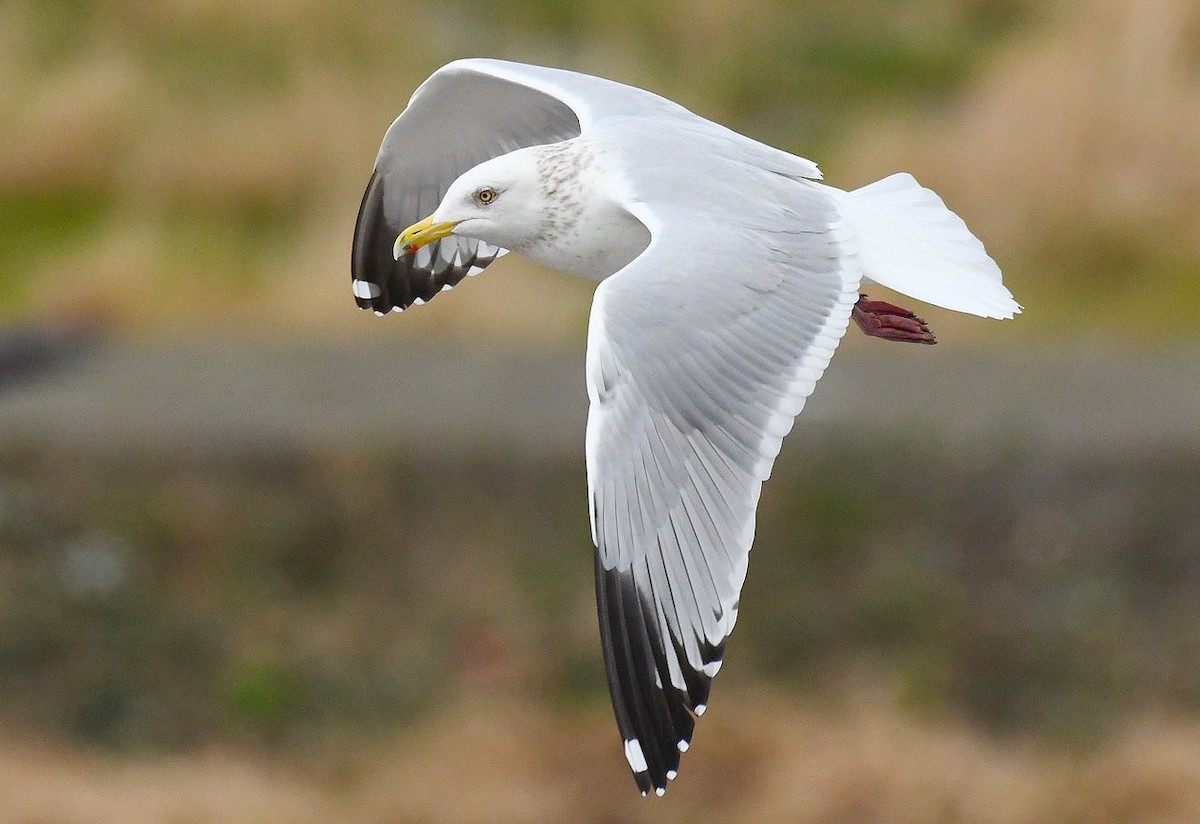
pixel 654 717
pixel 371 258
pixel 383 283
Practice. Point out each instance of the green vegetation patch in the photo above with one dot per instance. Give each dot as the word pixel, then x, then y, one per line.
pixel 34 224
pixel 164 602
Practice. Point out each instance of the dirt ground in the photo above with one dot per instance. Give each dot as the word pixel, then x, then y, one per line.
pixel 511 761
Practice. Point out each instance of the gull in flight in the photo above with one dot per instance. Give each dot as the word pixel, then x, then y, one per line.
pixel 727 275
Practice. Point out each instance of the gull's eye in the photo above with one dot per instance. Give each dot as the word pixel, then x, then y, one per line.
pixel 485 196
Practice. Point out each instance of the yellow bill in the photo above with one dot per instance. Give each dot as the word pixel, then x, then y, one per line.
pixel 419 234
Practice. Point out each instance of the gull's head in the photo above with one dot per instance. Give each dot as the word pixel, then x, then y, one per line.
pixel 500 202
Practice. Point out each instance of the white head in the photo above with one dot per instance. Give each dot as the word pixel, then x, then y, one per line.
pixel 550 203
pixel 501 201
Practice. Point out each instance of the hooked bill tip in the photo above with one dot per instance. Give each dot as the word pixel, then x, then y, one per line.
pixel 399 249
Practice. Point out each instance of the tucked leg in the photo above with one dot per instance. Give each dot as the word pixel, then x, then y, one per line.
pixel 885 320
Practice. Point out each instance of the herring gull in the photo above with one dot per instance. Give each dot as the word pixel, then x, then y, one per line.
pixel 727 275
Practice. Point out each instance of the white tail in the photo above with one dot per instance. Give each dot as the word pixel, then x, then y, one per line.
pixel 912 243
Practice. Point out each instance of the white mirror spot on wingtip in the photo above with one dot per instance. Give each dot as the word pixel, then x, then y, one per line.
pixel 635 756
pixel 365 290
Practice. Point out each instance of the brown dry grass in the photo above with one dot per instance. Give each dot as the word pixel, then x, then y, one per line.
pixel 230 141
pixel 1076 156
pixel 507 761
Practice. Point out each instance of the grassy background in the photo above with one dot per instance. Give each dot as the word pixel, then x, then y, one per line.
pixel 263 598
pixel 204 160
pixel 247 638
pixel 373 635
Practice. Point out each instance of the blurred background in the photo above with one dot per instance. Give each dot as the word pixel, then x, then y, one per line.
pixel 265 558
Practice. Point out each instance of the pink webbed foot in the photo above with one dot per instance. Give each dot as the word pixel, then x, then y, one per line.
pixel 881 319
